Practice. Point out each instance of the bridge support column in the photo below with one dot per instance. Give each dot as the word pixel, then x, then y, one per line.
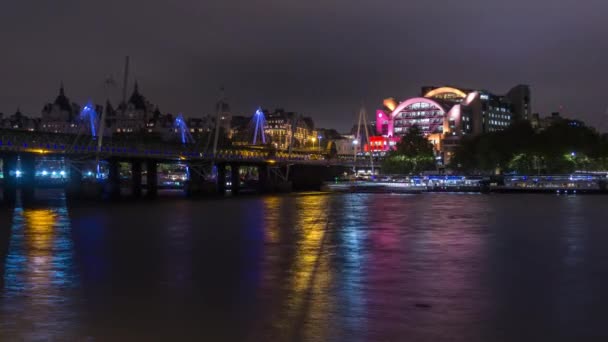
pixel 28 177
pixel 136 178
pixel 114 178
pixel 263 179
pixel 221 179
pixel 193 186
pixel 235 179
pixel 152 178
pixel 74 188
pixel 9 186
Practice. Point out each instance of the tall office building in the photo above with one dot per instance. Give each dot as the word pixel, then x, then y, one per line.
pixel 521 102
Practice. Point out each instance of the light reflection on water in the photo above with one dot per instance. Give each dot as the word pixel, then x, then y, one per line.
pixel 39 274
pixel 296 260
pixel 367 267
pixel 310 275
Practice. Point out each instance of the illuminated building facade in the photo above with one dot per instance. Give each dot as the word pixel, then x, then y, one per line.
pixel 444 115
pixel 61 115
pixel 282 125
pixel 132 117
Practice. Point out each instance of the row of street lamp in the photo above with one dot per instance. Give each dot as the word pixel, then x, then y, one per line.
pixel 313 139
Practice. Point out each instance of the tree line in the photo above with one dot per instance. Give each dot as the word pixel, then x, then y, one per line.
pixel 563 147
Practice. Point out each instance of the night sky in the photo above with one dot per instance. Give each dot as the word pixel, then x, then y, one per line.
pixel 320 58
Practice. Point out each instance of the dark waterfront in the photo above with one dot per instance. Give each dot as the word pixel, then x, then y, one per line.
pixel 352 267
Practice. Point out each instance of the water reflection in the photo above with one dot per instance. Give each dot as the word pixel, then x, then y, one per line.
pixel 39 278
pixel 352 257
pixel 272 220
pixel 178 248
pixel 371 267
pixel 310 274
pixel 296 279
pixel 574 290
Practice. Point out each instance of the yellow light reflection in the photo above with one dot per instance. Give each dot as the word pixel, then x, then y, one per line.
pixel 39 233
pixel 38 268
pixel 271 217
pixel 39 225
pixel 37 150
pixel 311 275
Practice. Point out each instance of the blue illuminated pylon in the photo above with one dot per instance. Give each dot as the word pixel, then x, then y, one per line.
pixel 260 123
pixel 88 112
pixel 180 124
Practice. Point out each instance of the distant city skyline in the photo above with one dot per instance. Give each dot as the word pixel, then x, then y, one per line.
pixel 319 59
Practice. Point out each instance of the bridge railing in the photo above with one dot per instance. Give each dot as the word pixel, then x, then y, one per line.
pixel 54 143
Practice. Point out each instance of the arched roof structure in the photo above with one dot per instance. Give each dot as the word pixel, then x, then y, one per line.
pixel 411 101
pixel 444 90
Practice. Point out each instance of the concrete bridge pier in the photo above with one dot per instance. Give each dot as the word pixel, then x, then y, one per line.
pixel 9 186
pixel 235 179
pixel 136 184
pixel 152 178
pixel 191 186
pixel 113 183
pixel 279 178
pixel 195 186
pixel 221 179
pixel 264 179
pixel 28 177
pixel 74 186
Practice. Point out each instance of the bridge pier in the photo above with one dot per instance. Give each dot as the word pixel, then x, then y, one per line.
pixel 235 179
pixel 113 183
pixel 28 177
pixel 195 185
pixel 9 186
pixel 221 179
pixel 136 187
pixel 263 179
pixel 74 186
pixel 152 178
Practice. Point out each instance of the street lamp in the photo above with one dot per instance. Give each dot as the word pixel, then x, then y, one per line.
pixel 313 139
pixel 320 137
pixel 355 143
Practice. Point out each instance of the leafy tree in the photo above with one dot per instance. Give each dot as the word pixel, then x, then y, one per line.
pixel 413 154
pixel 559 148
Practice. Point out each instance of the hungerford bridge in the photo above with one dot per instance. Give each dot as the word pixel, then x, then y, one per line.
pixel 21 150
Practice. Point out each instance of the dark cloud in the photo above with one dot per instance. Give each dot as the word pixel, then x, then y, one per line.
pixel 322 58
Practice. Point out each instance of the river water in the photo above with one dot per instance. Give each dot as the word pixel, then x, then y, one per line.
pixel 307 267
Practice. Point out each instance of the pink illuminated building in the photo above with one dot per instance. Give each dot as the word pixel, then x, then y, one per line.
pixel 443 114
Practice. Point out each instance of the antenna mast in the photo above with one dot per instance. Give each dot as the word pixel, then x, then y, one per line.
pixel 125 80
pixel 294 122
pixel 358 142
pixel 220 108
